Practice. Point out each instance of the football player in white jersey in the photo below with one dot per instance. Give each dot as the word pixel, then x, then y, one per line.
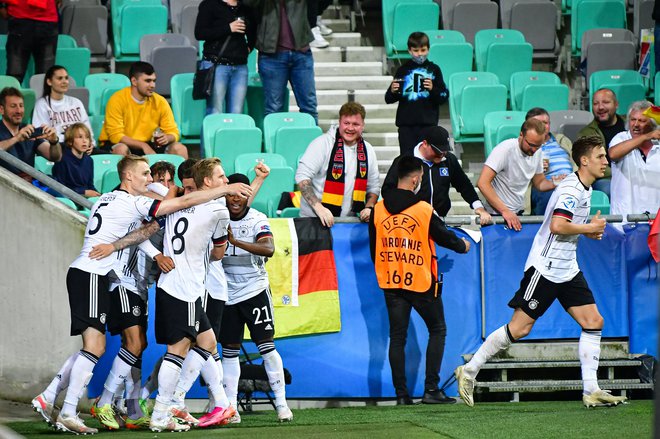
pixel 88 281
pixel 552 272
pixel 249 302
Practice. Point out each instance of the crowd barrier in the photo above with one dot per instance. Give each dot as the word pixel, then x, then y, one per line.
pixel 353 363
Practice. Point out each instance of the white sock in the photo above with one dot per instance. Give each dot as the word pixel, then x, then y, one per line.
pixel 212 374
pixel 275 371
pixel 231 366
pixel 589 352
pixel 81 373
pixel 133 388
pixel 192 365
pixel 60 381
pixel 152 381
pixel 168 376
pixel 497 341
pixel 120 371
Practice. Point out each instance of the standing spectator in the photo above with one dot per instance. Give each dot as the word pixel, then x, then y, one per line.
pixel 338 173
pixel 76 169
pixel 606 125
pixel 228 29
pixel 140 121
pixel 408 275
pixel 442 170
pixel 419 88
pixel 635 158
pixel 24 141
pixel 556 153
pixel 55 108
pixel 32 32
pixel 283 37
pixel 314 10
pixel 508 170
pixel 656 34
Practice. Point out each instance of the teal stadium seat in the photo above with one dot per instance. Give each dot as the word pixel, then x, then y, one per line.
pixel 96 83
pixel 594 14
pixel 500 125
pixel 290 212
pixel 245 162
pixel 174 159
pixel 472 95
pixel 133 26
pixel 77 61
pixel 291 142
pixel 102 164
pixel 43 165
pixel 599 201
pixel 388 8
pixel 217 121
pixel 229 143
pixel 444 36
pixel 452 58
pixel 8 81
pixel 485 37
pixel 409 18
pixel 505 59
pixel 519 80
pixel 627 85
pixel 67 202
pixel 109 181
pixel 280 179
pixel 65 41
pixel 106 95
pixel 547 96
pixel 188 112
pixel 29 101
pixel 274 121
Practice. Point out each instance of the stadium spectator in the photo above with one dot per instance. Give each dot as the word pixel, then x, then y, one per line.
pixel 57 109
pixel 635 155
pixel 509 169
pixel 407 271
pixel 228 29
pixel 656 33
pixel 556 153
pixel 338 173
pixel 606 125
pixel 248 289
pixel 138 120
pixel 552 273
pixel 283 37
pixel 76 169
pixel 441 171
pixel 314 10
pixel 419 89
pixel 32 32
pixel 163 172
pixel 21 140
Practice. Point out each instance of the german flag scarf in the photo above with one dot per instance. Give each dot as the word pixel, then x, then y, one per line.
pixel 333 191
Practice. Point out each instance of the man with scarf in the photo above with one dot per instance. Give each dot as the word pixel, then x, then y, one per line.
pixel 338 174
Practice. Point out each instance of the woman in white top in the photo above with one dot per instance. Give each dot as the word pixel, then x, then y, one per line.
pixel 57 109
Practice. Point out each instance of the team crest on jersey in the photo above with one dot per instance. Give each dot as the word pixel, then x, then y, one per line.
pixel 137 311
pixel 102 318
pixel 337 170
pixel 444 172
pixel 197 325
pixel 286 300
pixel 533 304
pixel 569 203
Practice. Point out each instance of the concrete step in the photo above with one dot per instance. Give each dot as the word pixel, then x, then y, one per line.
pixel 338 24
pixel 354 82
pixel 460 208
pixel 386 152
pixel 344 39
pixel 506 363
pixel 351 53
pixel 379 111
pixel 340 96
pixel 378 125
pixel 454 195
pixel 352 68
pixel 383 139
pixel 558 351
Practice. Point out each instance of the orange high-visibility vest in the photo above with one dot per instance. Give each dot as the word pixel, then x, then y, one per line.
pixel 405 254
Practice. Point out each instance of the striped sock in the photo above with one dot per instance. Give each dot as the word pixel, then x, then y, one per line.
pixel 168 376
pixel 81 373
pixel 120 372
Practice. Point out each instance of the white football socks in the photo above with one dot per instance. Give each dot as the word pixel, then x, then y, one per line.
pixel 497 341
pixel 589 352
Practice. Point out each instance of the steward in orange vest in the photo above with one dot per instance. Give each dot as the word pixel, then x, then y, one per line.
pixel 403 232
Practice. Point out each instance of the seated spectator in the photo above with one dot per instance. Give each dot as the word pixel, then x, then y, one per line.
pixel 509 169
pixel 57 109
pixel 606 125
pixel 338 173
pixel 635 155
pixel 76 169
pixel 557 163
pixel 442 170
pixel 24 141
pixel 163 173
pixel 140 121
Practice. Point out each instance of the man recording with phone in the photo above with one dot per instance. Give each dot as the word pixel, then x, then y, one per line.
pixel 24 141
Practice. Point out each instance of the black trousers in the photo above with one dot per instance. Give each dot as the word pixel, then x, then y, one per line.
pixel 30 37
pixel 409 137
pixel 432 312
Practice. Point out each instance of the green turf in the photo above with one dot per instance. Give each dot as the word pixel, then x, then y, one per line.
pixel 527 420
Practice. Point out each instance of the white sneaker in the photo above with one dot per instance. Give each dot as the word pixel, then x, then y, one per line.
pixel 44 408
pixel 73 424
pixel 167 424
pixel 319 42
pixel 284 413
pixel 325 30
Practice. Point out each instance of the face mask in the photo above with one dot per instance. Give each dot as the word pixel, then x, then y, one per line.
pixel 419 59
pixel 418 187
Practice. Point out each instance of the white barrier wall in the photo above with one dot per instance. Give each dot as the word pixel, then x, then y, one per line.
pixel 40 237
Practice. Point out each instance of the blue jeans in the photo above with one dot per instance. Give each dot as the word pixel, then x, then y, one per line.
pixel 540 201
pixel 229 89
pixel 656 46
pixel 279 68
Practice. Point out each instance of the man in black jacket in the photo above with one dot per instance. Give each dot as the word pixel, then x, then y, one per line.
pixel 403 231
pixel 441 170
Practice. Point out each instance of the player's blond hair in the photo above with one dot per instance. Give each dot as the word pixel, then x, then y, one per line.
pixel 128 163
pixel 203 169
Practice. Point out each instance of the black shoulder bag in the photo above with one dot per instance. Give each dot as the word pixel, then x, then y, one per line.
pixel 204 78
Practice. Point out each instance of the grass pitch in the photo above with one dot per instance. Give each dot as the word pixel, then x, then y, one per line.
pixel 527 420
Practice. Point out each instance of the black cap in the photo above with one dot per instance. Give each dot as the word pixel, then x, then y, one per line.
pixel 438 138
pixel 238 178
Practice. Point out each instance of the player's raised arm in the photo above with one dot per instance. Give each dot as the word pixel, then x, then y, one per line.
pixel 192 199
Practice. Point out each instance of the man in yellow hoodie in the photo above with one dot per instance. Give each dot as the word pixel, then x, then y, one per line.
pixel 140 121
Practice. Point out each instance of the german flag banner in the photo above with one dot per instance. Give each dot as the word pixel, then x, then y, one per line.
pixel 303 278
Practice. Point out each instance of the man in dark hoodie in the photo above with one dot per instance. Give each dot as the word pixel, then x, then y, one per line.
pixel 403 232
